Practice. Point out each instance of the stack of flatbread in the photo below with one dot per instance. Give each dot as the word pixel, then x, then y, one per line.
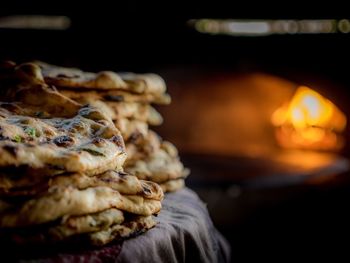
pixel 127 99
pixel 61 167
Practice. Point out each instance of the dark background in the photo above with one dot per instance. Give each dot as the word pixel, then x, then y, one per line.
pixel 140 36
pixel 268 222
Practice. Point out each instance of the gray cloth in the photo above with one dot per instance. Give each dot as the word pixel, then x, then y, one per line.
pixel 185 233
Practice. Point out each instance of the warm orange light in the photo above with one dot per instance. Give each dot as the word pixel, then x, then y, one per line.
pixel 309 121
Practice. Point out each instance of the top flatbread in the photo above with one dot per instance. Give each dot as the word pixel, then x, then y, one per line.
pixel 28 79
pixel 25 84
pixel 88 142
pixel 105 80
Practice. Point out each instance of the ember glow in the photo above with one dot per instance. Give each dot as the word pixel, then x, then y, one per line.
pixel 309 121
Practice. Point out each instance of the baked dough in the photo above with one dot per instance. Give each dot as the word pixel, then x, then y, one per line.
pixel 105 80
pixel 138 225
pixel 87 142
pixel 120 181
pixel 70 201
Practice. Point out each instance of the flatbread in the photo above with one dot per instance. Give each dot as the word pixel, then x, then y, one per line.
pixel 69 201
pixel 94 229
pixel 87 143
pixel 73 77
pixel 84 224
pixel 173 185
pixel 25 84
pixel 105 80
pixel 120 181
pixel 144 83
pixel 137 225
pixel 140 147
pixel 115 96
pixel 128 110
pixel 144 87
pixel 161 166
pixel 129 128
pixel 25 181
pixel 137 111
pixel 150 158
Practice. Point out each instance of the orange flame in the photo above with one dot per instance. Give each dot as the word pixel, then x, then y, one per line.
pixel 309 121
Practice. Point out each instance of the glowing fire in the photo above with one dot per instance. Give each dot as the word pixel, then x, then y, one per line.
pixel 309 121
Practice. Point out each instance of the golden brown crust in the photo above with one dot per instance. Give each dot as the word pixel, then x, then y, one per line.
pixel 88 142
pixel 83 229
pixel 115 96
pixel 25 84
pixel 133 110
pixel 69 201
pixel 74 225
pixel 104 80
pixel 122 231
pixel 130 127
pixel 154 160
pixel 173 185
pixel 120 181
pixel 139 147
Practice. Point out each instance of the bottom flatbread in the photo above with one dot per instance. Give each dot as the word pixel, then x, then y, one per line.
pixel 85 224
pixel 94 229
pixel 116 232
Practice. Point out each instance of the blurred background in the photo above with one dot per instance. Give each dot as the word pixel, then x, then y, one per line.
pixel 272 168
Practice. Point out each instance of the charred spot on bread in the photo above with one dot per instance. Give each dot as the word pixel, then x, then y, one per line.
pixel 11 149
pixel 118 140
pixel 98 141
pixel 116 98
pixel 63 141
